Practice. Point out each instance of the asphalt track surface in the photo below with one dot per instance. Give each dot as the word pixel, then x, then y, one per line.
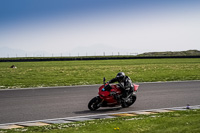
pixel 58 102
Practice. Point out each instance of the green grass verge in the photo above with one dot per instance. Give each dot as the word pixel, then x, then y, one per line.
pixel 66 73
pixel 173 122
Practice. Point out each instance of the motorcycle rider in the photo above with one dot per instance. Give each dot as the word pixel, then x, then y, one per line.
pixel 125 84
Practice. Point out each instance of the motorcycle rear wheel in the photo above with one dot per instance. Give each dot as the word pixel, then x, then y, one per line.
pixel 129 103
pixel 94 103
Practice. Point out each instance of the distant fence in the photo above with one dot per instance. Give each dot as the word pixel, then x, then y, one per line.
pixel 23 59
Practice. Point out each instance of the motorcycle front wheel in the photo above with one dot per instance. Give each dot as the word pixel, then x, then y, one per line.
pixel 94 103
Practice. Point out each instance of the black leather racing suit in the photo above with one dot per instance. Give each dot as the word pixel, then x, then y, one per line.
pixel 126 85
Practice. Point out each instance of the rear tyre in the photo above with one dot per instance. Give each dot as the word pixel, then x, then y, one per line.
pixel 131 101
pixel 94 103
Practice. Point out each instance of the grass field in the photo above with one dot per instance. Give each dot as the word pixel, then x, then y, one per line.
pixel 173 122
pixel 66 73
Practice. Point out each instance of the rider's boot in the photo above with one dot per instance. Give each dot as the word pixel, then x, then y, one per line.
pixel 125 96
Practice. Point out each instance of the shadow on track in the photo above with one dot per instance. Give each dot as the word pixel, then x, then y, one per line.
pixel 102 110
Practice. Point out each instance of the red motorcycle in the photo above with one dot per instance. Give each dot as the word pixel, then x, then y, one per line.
pixel 110 96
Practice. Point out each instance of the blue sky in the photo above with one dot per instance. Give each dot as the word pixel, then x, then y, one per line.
pixel 79 27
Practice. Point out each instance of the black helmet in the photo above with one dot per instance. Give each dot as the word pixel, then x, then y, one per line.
pixel 121 76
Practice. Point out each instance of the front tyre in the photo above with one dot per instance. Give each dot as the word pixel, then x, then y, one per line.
pixel 94 103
